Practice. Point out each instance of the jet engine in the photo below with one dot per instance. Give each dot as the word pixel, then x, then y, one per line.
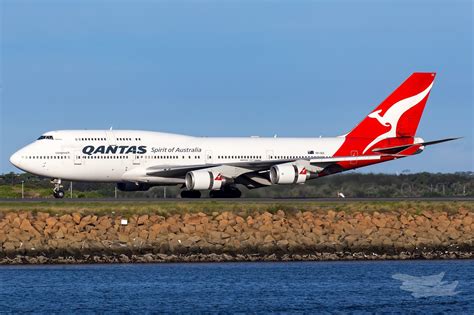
pixel 288 174
pixel 128 186
pixel 199 180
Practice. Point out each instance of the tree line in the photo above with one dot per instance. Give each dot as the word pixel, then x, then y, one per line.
pixel 350 184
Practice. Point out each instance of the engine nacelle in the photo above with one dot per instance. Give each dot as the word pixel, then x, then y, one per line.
pixel 199 180
pixel 288 174
pixel 127 186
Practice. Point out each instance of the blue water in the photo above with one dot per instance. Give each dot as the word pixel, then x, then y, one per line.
pixel 296 287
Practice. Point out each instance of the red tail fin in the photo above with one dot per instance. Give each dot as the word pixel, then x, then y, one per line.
pixel 395 120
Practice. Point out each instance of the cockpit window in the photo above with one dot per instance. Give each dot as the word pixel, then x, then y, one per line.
pixel 45 137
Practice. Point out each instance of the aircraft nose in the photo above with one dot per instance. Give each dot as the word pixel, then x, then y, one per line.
pixel 15 159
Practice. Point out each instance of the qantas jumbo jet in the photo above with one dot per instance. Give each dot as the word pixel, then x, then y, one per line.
pixel 138 160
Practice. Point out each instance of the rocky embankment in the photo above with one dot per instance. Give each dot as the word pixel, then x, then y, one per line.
pixel 27 237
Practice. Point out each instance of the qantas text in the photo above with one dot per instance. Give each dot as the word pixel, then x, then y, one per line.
pixel 114 149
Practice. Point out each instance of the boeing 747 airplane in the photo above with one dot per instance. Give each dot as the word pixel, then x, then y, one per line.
pixel 138 160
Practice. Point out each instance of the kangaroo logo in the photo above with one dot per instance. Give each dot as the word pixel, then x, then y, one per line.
pixel 393 114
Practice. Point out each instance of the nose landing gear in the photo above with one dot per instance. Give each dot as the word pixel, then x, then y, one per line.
pixel 58 191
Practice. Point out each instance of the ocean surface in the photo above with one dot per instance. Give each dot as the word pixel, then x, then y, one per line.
pixel 284 287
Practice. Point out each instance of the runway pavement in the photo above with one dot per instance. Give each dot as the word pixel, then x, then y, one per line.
pixel 235 200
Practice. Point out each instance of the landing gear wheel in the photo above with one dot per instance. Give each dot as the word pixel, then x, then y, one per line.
pixel 58 194
pixel 190 194
pixel 236 193
pixel 58 191
pixel 226 192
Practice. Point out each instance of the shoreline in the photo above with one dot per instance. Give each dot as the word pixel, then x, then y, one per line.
pixel 220 258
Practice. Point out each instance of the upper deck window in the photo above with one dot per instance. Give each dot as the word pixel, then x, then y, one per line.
pixel 45 137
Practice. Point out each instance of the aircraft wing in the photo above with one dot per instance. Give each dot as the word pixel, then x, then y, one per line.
pixel 238 168
pixel 228 169
pixel 252 174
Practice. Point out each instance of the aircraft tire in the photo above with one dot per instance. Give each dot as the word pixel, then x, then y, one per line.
pixel 59 194
pixel 190 194
pixel 225 193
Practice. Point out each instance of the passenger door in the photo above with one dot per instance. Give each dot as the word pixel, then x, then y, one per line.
pixel 110 137
pixel 209 157
pixel 136 159
pixel 77 158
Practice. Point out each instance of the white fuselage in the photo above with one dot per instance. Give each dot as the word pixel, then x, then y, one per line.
pixel 137 160
pixel 124 155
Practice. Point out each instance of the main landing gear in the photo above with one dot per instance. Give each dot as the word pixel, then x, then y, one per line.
pixel 226 192
pixel 190 194
pixel 58 191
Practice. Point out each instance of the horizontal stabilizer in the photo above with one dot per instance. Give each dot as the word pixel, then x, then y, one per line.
pixel 396 149
pixel 440 141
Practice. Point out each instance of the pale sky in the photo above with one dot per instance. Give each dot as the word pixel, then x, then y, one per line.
pixel 234 68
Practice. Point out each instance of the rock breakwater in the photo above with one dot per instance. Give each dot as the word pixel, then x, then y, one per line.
pixel 29 237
